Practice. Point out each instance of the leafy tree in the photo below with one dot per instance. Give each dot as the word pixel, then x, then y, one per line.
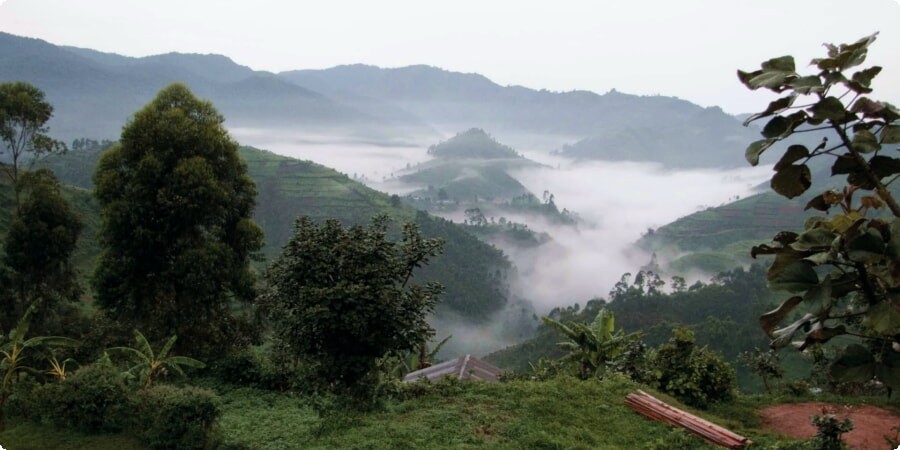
pixel 23 131
pixel 765 364
pixel 342 298
pixel 177 225
pixel 39 244
pixel 696 375
pixel 843 268
pixel 592 346
pixel 149 364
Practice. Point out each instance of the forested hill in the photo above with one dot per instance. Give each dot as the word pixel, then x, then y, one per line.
pixel 474 273
pixel 93 93
pixel 702 137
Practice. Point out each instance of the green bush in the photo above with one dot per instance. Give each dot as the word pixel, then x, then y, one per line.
pixel 251 368
pixel 92 399
pixel 697 376
pixel 169 417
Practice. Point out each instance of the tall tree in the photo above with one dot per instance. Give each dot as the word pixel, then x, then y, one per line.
pixel 23 129
pixel 38 246
pixel 177 227
pixel 341 298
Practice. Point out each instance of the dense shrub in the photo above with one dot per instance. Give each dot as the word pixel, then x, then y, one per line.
pixel 697 376
pixel 252 368
pixel 92 399
pixel 168 417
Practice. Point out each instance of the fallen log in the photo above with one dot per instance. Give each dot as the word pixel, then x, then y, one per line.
pixel 657 410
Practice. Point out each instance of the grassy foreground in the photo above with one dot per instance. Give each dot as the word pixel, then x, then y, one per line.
pixel 558 414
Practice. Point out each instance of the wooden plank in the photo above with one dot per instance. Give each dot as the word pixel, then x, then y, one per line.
pixel 657 410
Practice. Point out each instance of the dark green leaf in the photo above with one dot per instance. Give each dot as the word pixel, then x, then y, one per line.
pixel 820 334
pixel 807 85
pixel 818 203
pixel 795 277
pixel 864 77
pixel 792 181
pixel 868 247
pixel 856 364
pixel 776 127
pixel 793 154
pixel 782 64
pixel 829 108
pixel 844 164
pixel 782 336
pixel 774 107
pixel 884 318
pixel 814 238
pixel 755 149
pixel 745 78
pixel 818 300
pixel 884 166
pixel 825 63
pixel 865 142
pixel 771 319
pixel 868 107
pixel 890 134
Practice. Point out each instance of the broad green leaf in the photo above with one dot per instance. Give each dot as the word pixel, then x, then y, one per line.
pixel 845 164
pixel 797 276
pixel 856 364
pixel 868 247
pixel 782 336
pixel 829 108
pixel 842 222
pixel 774 107
pixel 756 148
pixel 884 318
pixel 776 127
pixel 807 85
pixel 782 64
pixel 793 154
pixel 771 319
pixel 865 76
pixel 865 142
pixel 814 238
pixel 792 181
pixel 185 361
pixel 819 299
pixel 820 334
pixel 890 134
pixel 772 79
pixel 893 247
pixel 884 166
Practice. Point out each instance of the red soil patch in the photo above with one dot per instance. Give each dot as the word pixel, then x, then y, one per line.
pixel 870 424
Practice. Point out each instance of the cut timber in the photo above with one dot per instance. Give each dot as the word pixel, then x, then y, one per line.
pixel 655 409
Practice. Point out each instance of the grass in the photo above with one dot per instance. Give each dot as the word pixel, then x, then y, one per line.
pixel 562 413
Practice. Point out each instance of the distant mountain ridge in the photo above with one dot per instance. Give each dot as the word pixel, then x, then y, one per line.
pixel 95 92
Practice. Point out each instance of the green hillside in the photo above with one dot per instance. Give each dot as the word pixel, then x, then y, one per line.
pixel 474 273
pixel 563 413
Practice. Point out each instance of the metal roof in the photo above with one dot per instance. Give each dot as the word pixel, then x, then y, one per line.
pixel 465 367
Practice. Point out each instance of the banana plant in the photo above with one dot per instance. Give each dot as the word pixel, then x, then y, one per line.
pixel 417 360
pixel 15 350
pixel 148 365
pixel 592 345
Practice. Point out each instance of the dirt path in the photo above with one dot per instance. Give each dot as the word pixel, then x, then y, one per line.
pixel 870 424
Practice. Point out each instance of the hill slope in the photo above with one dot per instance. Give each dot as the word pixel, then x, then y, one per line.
pixel 93 93
pixel 474 273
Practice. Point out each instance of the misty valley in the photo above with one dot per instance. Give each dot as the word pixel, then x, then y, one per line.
pixel 197 254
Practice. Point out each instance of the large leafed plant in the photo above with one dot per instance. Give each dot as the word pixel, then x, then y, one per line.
pixel 844 266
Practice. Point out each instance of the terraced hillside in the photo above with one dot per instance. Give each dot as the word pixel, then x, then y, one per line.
pixel 473 273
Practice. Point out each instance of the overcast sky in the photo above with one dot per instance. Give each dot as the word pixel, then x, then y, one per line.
pixel 686 48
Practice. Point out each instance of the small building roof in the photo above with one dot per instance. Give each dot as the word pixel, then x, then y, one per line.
pixel 465 367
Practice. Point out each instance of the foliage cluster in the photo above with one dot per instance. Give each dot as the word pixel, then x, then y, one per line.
pixel 695 375
pixel 843 268
pixel 339 299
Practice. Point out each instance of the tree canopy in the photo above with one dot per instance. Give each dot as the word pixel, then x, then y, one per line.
pixel 341 298
pixel 177 229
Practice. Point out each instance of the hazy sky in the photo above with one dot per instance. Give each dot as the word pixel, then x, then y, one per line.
pixel 688 48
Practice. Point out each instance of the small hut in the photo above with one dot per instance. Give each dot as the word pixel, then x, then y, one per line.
pixel 465 367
